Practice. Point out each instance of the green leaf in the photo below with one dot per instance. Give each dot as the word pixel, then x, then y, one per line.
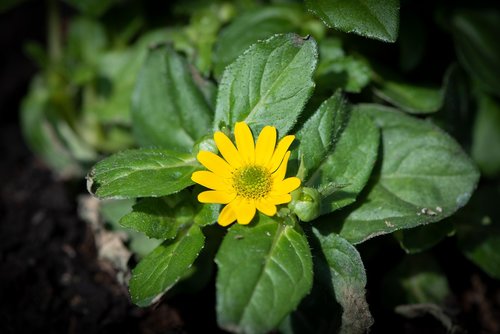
pixel 344 172
pixel 338 70
pixel 321 131
pixel 423 177
pixel 92 7
pixel 348 277
pixel 486 136
pixel 157 218
pixel 86 41
pixel 268 85
pixel 417 279
pixel 415 99
pixel 168 109
pixel 112 211
pixel 250 27
pixel 40 133
pixel 141 173
pixel 424 237
pixel 161 269
pixel 369 18
pixel 478 230
pixel 476 40
pixel 265 269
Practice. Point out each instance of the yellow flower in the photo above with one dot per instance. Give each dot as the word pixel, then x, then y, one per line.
pixel 247 177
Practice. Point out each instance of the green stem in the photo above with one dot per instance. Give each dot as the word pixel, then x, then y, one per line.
pixel 53 31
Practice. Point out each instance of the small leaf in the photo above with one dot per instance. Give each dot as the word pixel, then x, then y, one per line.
pixel 157 219
pixel 338 70
pixel 276 274
pixel 476 41
pixel 344 172
pixel 40 134
pixel 423 237
pixel 348 277
pixel 250 27
pixel 162 268
pixel 168 109
pixel 423 177
pixel 417 279
pixel 321 131
pixel 268 85
pixel 369 18
pixel 478 230
pixel 415 99
pixel 141 173
pixel 486 136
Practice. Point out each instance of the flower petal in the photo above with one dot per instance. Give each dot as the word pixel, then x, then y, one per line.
pixel 245 211
pixel 279 175
pixel 280 152
pixel 244 142
pixel 286 186
pixel 215 163
pixel 279 198
pixel 215 196
pixel 266 207
pixel 227 215
pixel 210 180
pixel 227 149
pixel 266 143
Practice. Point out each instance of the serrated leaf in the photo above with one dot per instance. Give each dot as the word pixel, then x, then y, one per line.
pixel 321 131
pixel 344 172
pixel 168 109
pixel 369 18
pixel 268 85
pixel 156 218
pixel 275 275
pixel 475 34
pixel 486 136
pixel 162 268
pixel 349 280
pixel 337 301
pixel 141 173
pixel 251 26
pixel 423 177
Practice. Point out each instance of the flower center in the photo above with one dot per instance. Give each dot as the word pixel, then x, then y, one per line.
pixel 252 182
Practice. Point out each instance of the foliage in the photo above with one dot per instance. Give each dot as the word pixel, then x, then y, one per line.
pixel 385 145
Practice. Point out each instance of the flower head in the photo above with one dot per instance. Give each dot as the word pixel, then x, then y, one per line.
pixel 249 176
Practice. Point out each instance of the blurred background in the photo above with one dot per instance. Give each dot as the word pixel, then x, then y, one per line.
pixel 67 76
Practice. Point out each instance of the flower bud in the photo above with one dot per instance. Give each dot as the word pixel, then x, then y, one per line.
pixel 206 143
pixel 306 203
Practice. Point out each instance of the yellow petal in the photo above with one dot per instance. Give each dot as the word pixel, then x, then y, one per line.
pixel 227 149
pixel 227 215
pixel 279 199
pixel 279 175
pixel 280 152
pixel 215 163
pixel 266 143
pixel 244 142
pixel 266 207
pixel 215 196
pixel 286 186
pixel 210 180
pixel 245 211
